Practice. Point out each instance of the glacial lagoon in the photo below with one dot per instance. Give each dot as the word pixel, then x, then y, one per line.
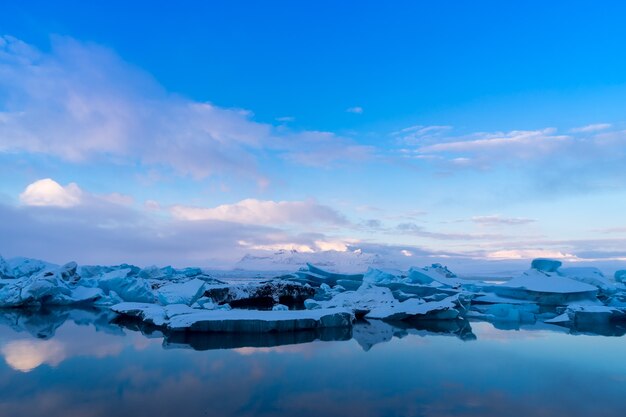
pixel 66 362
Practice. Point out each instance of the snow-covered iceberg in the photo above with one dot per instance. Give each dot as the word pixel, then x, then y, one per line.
pixel 313 298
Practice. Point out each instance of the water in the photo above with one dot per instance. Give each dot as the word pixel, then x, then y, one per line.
pixel 75 363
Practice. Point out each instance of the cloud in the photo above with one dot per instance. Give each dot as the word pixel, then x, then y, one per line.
pixel 252 211
pixel 530 254
pixel 47 192
pixel 323 149
pixel 525 142
pixel 421 135
pixel 499 220
pixel 112 234
pixel 592 128
pixel 355 110
pixel 413 229
pixel 82 103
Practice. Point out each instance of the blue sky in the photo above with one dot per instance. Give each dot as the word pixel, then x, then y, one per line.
pixel 482 130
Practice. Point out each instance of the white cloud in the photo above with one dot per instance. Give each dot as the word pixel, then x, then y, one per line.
pixel 47 192
pixel 525 142
pixel 252 211
pixel 530 254
pixel 498 220
pixel 355 110
pixel 592 128
pixel 82 102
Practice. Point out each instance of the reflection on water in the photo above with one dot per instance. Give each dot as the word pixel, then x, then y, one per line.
pixel 82 362
pixel 25 355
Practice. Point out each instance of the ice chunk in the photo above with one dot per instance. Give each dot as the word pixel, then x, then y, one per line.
pixel 505 312
pixel 591 276
pixel 546 288
pixel 620 276
pixel 334 276
pixel 260 294
pixel 26 267
pixel 150 313
pixel 68 272
pixel 589 315
pixel 436 273
pixel 251 321
pixel 545 265
pixel 185 293
pixel 446 309
pixel 317 276
pixel 362 300
pixel 311 304
pixel 4 269
pixel 206 303
pixel 280 307
pixel 383 276
pixel 130 288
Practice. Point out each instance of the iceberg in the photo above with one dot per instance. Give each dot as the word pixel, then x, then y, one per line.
pixel 251 321
pixel 171 300
pixel 317 276
pixel 447 309
pixel 586 315
pixel 434 274
pixel 181 293
pixel 546 288
pixel 127 285
pixel 545 265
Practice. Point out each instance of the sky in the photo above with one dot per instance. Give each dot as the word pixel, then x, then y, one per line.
pixel 197 132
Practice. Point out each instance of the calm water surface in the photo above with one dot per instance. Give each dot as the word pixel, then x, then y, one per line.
pixel 75 363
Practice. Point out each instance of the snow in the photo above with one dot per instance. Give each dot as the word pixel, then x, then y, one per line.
pixel 446 309
pixel 184 293
pixel 589 275
pixel 436 273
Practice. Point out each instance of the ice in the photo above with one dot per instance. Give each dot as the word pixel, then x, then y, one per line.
pixel 505 312
pixel 546 288
pixel 436 273
pixel 251 321
pixel 128 287
pixel 150 313
pixel 26 267
pixel 545 265
pixel 260 294
pixel 591 276
pixel 191 299
pixel 333 275
pixel 317 276
pixel 447 309
pixel 184 293
pixel 586 315
pixel 206 303
pixel 5 273
pixel 384 276
pixel 360 301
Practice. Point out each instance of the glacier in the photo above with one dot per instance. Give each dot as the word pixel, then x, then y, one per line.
pixel 313 299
